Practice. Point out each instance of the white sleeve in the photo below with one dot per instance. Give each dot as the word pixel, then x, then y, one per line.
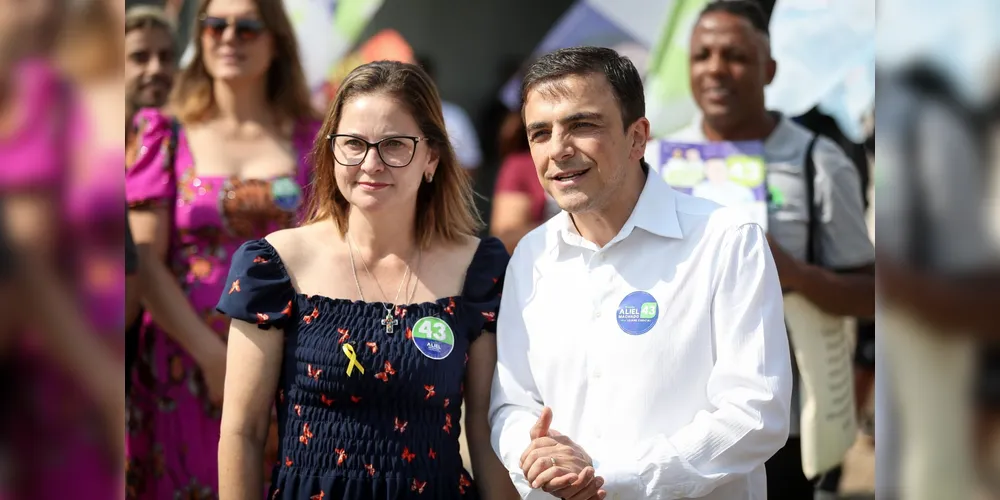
pixel 750 388
pixel 514 401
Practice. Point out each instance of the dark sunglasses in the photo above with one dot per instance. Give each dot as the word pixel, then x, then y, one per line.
pixel 246 30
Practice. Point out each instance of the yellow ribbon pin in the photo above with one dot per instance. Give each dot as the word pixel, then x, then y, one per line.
pixel 349 351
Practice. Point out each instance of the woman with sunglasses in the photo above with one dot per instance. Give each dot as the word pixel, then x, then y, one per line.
pixel 370 326
pixel 227 165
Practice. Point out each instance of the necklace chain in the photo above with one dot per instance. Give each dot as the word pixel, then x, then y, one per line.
pixel 406 275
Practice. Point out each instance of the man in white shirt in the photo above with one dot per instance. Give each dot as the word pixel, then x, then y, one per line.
pixel 641 346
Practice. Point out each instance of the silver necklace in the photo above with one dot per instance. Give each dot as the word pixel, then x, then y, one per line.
pixel 390 321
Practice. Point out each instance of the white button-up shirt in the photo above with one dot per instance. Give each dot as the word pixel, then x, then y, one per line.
pixel 691 407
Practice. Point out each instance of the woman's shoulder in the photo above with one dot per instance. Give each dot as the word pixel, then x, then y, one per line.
pixel 293 243
pixel 487 259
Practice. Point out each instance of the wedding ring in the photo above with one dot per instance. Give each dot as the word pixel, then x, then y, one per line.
pixel 553 459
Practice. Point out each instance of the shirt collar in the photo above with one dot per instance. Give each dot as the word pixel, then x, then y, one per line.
pixel 654 212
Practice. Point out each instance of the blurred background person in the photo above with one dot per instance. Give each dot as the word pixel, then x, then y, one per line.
pixel 226 163
pixel 61 86
pixel 519 202
pixel 939 278
pixel 820 242
pixel 464 139
pixel 150 64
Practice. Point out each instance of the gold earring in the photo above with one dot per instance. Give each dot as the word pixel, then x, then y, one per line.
pixel 429 177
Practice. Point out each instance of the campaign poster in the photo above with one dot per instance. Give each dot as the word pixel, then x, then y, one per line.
pixel 733 174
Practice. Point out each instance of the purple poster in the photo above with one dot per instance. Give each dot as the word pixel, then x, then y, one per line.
pixel 728 173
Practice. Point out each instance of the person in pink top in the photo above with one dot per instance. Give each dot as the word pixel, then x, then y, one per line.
pixel 60 184
pixel 226 165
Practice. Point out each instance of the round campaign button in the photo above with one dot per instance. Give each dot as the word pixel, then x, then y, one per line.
pixel 637 313
pixel 433 337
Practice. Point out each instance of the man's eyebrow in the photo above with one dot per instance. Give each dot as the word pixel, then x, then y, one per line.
pixel 575 117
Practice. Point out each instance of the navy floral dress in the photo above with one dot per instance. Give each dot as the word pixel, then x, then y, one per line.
pixel 362 413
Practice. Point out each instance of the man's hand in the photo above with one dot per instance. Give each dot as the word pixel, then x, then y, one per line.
pixel 790 269
pixel 557 465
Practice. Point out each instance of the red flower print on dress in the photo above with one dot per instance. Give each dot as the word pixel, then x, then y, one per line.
pixel 275 495
pixel 447 424
pixel 262 318
pixel 318 496
pixel 341 456
pixel 432 454
pixel 287 311
pixel 401 311
pixel 450 309
pixel 344 335
pixel 430 392
pixel 259 260
pixel 298 410
pixel 418 486
pixel 447 401
pixel 313 373
pixel 355 399
pixel 409 334
pixel 384 374
pixel 288 462
pixel 373 346
pixel 235 287
pixel 308 318
pixel 407 455
pixel 306 434
pixel 401 425
pixel 463 483
pixel 490 315
pixel 370 468
pixel 326 400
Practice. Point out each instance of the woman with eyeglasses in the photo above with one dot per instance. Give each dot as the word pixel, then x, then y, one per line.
pixel 226 165
pixel 371 325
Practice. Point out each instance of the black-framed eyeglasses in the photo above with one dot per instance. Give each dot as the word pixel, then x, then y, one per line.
pixel 245 29
pixel 396 151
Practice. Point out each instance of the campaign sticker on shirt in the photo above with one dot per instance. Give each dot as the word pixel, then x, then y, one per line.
pixel 433 337
pixel 637 313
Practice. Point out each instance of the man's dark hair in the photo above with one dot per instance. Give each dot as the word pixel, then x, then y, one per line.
pixel 578 61
pixel 745 9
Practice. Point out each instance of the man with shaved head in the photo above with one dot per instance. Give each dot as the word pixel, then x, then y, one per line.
pixel 816 225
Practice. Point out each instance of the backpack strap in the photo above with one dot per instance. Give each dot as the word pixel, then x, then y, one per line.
pixel 812 238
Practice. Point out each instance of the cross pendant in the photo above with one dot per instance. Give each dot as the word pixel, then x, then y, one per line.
pixel 389 322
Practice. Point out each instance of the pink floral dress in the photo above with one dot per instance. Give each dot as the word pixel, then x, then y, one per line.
pixel 173 430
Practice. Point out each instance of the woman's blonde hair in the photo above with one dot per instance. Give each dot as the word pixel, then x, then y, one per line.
pixel 193 100
pixel 446 208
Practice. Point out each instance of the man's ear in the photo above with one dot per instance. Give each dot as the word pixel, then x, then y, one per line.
pixel 770 69
pixel 639 136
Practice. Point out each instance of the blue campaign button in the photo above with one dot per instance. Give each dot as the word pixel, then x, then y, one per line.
pixel 637 313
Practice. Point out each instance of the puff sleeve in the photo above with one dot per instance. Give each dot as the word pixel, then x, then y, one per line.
pixel 258 289
pixel 483 284
pixel 150 179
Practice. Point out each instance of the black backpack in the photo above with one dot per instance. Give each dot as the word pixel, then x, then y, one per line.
pixel 823 125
